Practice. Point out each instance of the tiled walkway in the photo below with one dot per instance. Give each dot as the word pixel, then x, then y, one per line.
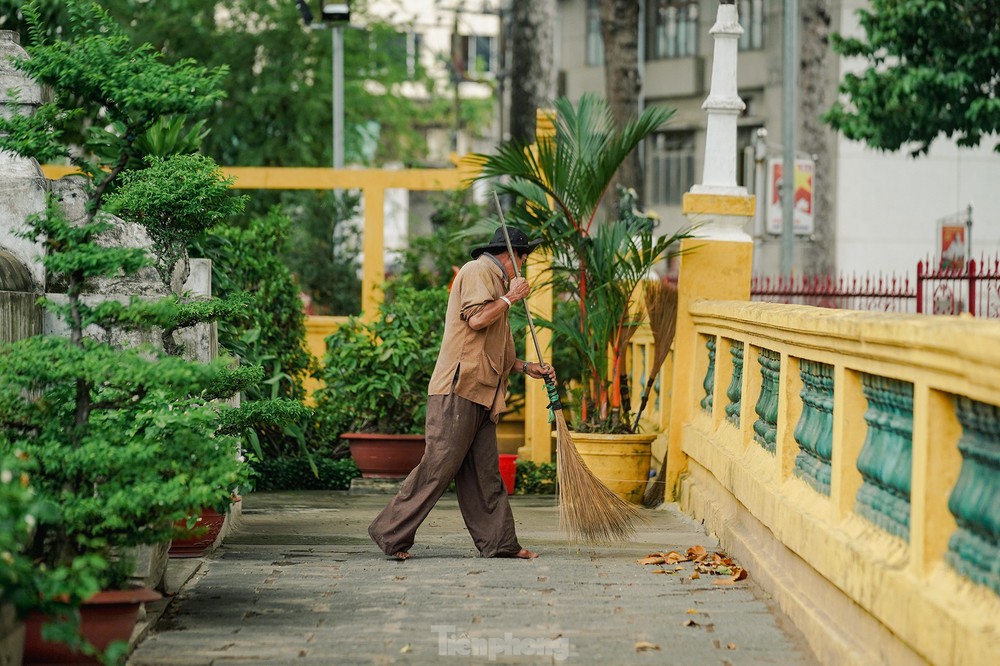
pixel 299 582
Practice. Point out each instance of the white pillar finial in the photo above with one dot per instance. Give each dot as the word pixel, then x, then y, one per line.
pixel 718 206
pixel 724 107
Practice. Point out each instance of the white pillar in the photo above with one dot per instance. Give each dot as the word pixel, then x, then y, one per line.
pixel 724 107
pixel 717 205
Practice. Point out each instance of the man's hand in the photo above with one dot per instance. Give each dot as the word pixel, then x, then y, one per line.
pixel 518 289
pixel 540 371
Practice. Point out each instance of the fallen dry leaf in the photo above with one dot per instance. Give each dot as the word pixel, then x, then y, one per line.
pixel 740 574
pixel 696 552
pixel 730 646
pixel 406 649
pixel 673 557
pixel 645 646
pixel 695 575
pixel 659 571
pixel 651 559
pixel 691 611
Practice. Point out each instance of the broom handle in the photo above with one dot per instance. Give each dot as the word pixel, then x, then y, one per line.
pixel 517 273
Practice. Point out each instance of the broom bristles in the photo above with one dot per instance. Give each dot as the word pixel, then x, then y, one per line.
pixel 661 305
pixel 589 511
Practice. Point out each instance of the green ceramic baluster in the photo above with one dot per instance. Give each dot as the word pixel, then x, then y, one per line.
pixel 974 548
pixel 735 390
pixel 709 383
pixel 814 431
pixel 765 428
pixel 885 461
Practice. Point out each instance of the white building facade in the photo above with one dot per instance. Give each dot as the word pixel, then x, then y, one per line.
pixel 875 212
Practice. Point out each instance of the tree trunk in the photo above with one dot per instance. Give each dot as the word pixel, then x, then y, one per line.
pixel 532 76
pixel 816 91
pixel 620 32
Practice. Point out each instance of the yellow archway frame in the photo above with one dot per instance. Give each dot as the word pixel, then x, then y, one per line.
pixel 373 183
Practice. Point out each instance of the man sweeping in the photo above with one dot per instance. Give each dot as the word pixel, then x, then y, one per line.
pixel 465 400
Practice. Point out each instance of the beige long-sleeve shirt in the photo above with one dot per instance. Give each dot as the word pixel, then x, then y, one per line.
pixel 475 364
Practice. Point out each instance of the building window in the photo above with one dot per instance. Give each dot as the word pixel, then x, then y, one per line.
pixel 404 47
pixel 673 28
pixel 751 13
pixel 476 56
pixel 746 137
pixel 671 167
pixel 595 43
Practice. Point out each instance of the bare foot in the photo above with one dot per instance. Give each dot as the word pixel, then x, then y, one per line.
pixel 526 554
pixel 401 555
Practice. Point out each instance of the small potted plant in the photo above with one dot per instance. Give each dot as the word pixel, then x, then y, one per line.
pixel 597 268
pixel 375 376
pixel 20 579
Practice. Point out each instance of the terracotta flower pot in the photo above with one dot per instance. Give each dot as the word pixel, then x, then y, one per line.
pixel 204 534
pixel 381 456
pixel 106 617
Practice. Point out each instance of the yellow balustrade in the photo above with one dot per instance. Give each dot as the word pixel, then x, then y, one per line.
pixel 318 328
pixel 860 593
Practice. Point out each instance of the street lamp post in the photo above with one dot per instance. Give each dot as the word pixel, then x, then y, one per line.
pixel 789 83
pixel 334 15
pixel 337 105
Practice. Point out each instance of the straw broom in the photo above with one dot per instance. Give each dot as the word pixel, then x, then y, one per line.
pixel 588 511
pixel 661 305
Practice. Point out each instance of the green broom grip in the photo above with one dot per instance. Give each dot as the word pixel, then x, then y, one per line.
pixel 554 401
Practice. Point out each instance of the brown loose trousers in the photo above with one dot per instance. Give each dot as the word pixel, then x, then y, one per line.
pixel 466 397
pixel 461 445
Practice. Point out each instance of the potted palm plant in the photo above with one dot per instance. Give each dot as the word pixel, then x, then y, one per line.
pixel 597 267
pixel 375 376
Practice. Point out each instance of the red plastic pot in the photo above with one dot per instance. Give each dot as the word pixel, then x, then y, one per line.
pixel 508 470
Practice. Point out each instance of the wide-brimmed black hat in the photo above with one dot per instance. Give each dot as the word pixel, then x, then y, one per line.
pixel 497 245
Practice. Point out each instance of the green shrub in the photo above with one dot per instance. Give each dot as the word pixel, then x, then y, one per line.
pixel 534 479
pixel 376 374
pixel 269 332
pixel 298 474
pixel 272 332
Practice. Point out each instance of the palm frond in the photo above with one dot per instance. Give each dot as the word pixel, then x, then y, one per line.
pixel 571 173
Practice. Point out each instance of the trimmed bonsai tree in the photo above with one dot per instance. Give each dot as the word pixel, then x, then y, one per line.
pixel 121 439
pixel 177 200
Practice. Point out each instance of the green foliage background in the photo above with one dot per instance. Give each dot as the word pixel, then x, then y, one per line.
pixel 933 69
